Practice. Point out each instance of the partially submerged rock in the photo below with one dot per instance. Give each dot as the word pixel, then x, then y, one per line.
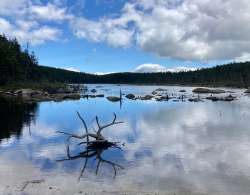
pixel 154 93
pixel 130 96
pixel 160 89
pixel 194 100
pixel 146 97
pixel 114 98
pixel 27 92
pixel 207 90
pixel 93 90
pixel 247 91
pixel 93 96
pixel 162 98
pixel 228 98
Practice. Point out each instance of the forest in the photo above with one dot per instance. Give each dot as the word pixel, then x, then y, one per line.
pixel 18 65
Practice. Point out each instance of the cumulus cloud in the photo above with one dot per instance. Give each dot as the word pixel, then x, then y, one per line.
pixel 102 31
pixel 25 20
pixel 148 68
pixel 181 29
pixel 29 31
pixel 49 12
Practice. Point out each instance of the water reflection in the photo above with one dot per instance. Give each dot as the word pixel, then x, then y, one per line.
pixel 95 153
pixel 14 116
pixel 174 147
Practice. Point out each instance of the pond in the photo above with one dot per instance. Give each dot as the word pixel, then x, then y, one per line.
pixel 166 147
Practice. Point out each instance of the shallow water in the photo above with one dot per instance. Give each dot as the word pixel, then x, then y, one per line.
pixel 175 147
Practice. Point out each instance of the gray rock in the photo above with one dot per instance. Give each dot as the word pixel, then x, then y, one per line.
pixel 114 98
pixel 207 90
pixel 130 96
pixel 247 91
pixel 146 97
pixel 154 93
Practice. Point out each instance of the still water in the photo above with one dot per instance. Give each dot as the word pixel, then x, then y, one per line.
pixel 172 147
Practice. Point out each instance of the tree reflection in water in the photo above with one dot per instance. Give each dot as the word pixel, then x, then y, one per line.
pixel 14 115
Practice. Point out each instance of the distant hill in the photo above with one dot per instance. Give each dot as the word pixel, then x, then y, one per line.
pixel 21 66
pixel 233 75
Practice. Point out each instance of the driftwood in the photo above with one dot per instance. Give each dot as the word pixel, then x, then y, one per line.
pixel 32 182
pixel 95 143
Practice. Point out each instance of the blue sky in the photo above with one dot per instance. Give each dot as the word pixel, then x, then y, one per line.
pixel 101 36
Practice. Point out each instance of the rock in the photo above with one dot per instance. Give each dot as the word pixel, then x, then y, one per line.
pixel 182 91
pixel 206 90
pixel 229 98
pixel 28 92
pixel 194 100
pixel 146 97
pixel 71 96
pixel 93 90
pixel 99 95
pixel 162 98
pixel 114 98
pixel 130 96
pixel 213 98
pixel 154 92
pixel 160 89
pixel 247 91
pixel 95 96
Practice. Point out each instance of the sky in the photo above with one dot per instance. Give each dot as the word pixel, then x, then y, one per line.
pixel 103 36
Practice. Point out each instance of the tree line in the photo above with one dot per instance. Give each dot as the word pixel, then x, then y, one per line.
pixel 18 65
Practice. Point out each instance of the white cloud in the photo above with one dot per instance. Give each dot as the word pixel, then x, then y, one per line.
pixel 29 31
pixel 26 20
pixel 72 69
pixel 181 29
pixel 15 7
pixel 144 68
pixel 49 12
pixel 243 58
pixel 102 31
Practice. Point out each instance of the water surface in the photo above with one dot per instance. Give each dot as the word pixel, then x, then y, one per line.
pixel 174 147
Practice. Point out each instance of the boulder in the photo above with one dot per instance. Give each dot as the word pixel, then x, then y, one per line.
pixel 93 90
pixel 182 91
pixel 229 98
pixel 162 98
pixel 146 97
pixel 207 90
pixel 194 100
pixel 247 91
pixel 73 96
pixel 213 98
pixel 28 92
pixel 130 96
pixel 114 98
pixel 154 93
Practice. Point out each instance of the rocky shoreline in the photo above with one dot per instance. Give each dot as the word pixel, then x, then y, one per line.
pixel 33 95
pixel 76 92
